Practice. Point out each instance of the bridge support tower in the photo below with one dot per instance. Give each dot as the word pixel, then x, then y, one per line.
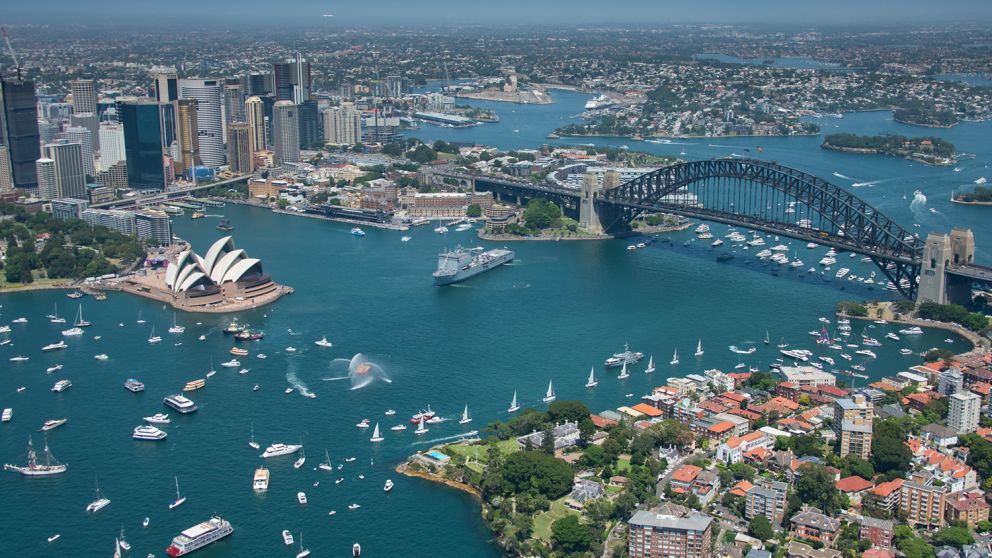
pixel 588 217
pixel 940 252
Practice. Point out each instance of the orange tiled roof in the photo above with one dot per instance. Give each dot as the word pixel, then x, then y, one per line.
pixel 647 410
pixel 741 488
pixel 853 483
pixel 883 490
pixel 686 473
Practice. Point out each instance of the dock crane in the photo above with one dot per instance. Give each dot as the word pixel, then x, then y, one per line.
pixel 13 56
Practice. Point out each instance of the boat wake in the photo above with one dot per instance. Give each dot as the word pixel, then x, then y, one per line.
pixel 919 202
pixel 298 384
pixel 843 176
pixel 446 438
pixel 869 183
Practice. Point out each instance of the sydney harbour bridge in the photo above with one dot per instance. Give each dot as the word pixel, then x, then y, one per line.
pixel 765 196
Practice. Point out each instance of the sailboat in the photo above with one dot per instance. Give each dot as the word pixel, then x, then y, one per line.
pixel 54 316
pixel 513 404
pixel 466 418
pixel 253 443
pixel 212 371
pixel 121 541
pixel 36 469
pixel 154 338
pixel 117 548
pixel 176 328
pixel 767 339
pixel 699 348
pixel 304 552
pixel 179 498
pixel 376 436
pixel 623 372
pixel 650 367
pixel 550 396
pixel 80 322
pixel 100 502
pixel 326 464
pixel 420 429
pixel 140 319
pixel 303 457
pixel 591 382
pixel 675 358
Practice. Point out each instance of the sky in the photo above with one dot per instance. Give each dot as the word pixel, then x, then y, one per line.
pixel 483 12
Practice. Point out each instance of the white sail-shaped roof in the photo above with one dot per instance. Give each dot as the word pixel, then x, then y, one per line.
pixel 224 264
pixel 190 281
pixel 218 249
pixel 241 268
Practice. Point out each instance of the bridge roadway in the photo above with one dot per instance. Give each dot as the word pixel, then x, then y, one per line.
pixel 159 197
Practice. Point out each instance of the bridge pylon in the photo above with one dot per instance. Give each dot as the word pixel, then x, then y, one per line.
pixel 940 253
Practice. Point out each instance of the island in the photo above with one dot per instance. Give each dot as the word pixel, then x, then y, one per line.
pixel 928 150
pixel 919 116
pixel 981 195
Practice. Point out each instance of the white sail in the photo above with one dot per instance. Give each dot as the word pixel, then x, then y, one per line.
pixel 699 348
pixel 466 418
pixel 675 357
pixel 376 437
pixel 513 404
pixel 117 548
pixel 650 367
pixel 623 371
pixel 550 396
pixel 592 378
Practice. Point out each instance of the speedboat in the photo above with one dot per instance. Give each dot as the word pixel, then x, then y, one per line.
pixel 290 349
pixel 357 232
pixel 389 412
pixel 398 427
pixel 19 359
pixel 54 346
pixel 233 363
pixel 278 449
pixel 301 497
pixel 323 342
pixel 287 537
pixel 158 418
pixel 54 538
pixel 55 368
pixel 101 356
pixel 388 486
pixel 363 424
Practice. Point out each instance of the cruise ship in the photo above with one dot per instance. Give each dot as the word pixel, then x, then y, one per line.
pixel 598 102
pixel 199 536
pixel 261 481
pixel 460 264
pixel 148 432
pixel 180 403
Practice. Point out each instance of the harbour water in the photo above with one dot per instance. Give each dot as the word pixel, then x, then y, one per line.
pixel 558 309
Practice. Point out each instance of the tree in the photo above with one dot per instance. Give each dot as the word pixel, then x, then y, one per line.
pixel 760 528
pixel 889 452
pixel 567 411
pixel 422 154
pixel 953 536
pixel 916 548
pixel 541 214
pixel 533 471
pixel 816 487
pixel 570 535
pixel 474 210
pixel 854 465
pixel 810 444
pixel 592 456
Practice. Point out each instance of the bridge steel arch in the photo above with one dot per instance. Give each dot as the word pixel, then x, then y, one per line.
pixel 773 198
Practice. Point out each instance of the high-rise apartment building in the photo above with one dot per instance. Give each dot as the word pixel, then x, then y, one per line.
pixel 19 130
pixel 922 503
pixel 394 87
pixel 209 95
pixel 149 130
pixel 285 133
pixel 257 84
pixel 255 117
pixel 963 410
pixel 187 137
pixel 343 125
pixel 234 101
pixel 240 157
pixel 70 173
pixel 657 535
pixel 83 136
pixel 6 179
pixel 48 189
pixel 852 424
pixel 111 144
pixel 292 80
pixel 83 95
pixel 309 124
pixel 91 122
pixel 166 84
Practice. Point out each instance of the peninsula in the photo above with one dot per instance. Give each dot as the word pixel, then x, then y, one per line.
pixel 981 195
pixel 928 150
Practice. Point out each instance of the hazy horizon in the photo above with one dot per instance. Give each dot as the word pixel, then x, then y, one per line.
pixel 573 12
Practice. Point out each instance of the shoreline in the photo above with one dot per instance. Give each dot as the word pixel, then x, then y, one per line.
pixel 647 138
pixel 977 341
pixel 963 202
pixel 872 151
pixel 643 231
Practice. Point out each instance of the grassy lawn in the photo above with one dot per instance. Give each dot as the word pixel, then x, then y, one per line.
pixel 623 466
pixel 478 452
pixel 38 283
pixel 543 521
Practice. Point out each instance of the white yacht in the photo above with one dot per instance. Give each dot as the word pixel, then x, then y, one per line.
pixel 699 348
pixel 61 386
pixel 180 499
pixel 176 328
pixel 158 418
pixel 675 358
pixel 100 502
pixel 278 449
pixel 623 372
pixel 154 338
pixel 303 459
pixel 421 429
pixel 148 432
pixel 323 342
pixel 72 332
pixel 54 346
pixel 388 486
pixel 911 331
pixel 260 483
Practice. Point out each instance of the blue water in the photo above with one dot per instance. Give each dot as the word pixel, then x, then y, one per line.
pixel 558 309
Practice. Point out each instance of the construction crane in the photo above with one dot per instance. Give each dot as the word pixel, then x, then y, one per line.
pixel 10 49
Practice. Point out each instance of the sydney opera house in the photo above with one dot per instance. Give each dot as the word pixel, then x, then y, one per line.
pixel 225 279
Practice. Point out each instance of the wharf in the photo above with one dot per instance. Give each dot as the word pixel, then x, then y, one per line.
pixel 389 226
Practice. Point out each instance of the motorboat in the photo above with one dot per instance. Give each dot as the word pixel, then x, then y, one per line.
pixel 287 537
pixel 148 432
pixel 61 386
pixel 357 232
pixel 301 497
pixel 390 412
pixel 233 363
pixel 55 368
pixel 54 346
pixel 52 424
pixel 323 342
pixel 353 506
pixel 260 482
pixel 279 449
pixel 388 486
pixel 158 418
pixel 398 427
pixel 915 330
pixel 101 356
pixel 72 332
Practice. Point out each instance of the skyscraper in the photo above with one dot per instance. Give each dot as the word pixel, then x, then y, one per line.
pixel 343 125
pixel 963 410
pixel 292 80
pixel 210 124
pixel 19 130
pixel 70 173
pixel 6 179
pixel 91 122
pixel 234 101
pixel 187 136
pixel 309 124
pixel 149 128
pixel 82 136
pixel 239 154
pixel 111 144
pixel 166 84
pixel 285 133
pixel 257 83
pixel 83 95
pixel 48 189
pixel 255 117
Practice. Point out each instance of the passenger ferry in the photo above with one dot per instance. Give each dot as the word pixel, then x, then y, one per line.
pixel 134 385
pixel 238 351
pixel 199 536
pixel 148 432
pixel 180 403
pixel 194 385
pixel 61 386
pixel 261 481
